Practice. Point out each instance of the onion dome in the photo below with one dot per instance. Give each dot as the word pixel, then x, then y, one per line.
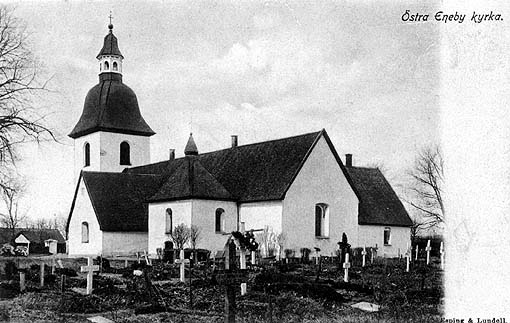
pixel 191 147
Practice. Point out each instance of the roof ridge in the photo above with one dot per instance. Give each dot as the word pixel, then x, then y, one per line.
pixel 364 167
pixel 266 141
pixel 215 151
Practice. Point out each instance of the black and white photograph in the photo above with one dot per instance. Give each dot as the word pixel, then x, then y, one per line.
pixel 254 161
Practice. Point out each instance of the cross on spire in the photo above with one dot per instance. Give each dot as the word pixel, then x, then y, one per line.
pixel 110 16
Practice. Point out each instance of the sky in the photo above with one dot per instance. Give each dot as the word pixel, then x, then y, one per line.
pixel 260 70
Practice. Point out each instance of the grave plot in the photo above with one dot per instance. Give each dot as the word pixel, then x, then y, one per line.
pixel 323 290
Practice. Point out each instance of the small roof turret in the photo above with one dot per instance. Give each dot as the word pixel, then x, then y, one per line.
pixel 191 147
pixel 110 46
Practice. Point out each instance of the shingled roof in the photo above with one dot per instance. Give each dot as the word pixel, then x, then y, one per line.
pixel 255 172
pixel 191 180
pixel 119 200
pixel 379 204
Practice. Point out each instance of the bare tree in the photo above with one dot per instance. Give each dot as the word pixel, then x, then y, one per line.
pixel 426 187
pixel 19 84
pixel 11 216
pixel 181 235
pixel 194 236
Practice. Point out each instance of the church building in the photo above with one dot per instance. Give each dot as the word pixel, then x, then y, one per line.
pixel 295 187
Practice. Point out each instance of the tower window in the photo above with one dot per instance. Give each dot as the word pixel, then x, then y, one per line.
pixel 115 68
pixel 168 221
pixel 86 153
pixel 220 221
pixel 106 66
pixel 100 66
pixel 124 154
pixel 321 220
pixel 84 232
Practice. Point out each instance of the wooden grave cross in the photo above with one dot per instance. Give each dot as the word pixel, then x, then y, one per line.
pixel 230 278
pixel 89 269
pixel 428 251
pixel 364 254
pixel 182 262
pixel 346 266
pixel 441 251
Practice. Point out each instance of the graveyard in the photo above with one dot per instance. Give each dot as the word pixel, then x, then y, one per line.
pixel 237 285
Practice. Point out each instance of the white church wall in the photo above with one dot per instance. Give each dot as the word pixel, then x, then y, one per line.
pixel 181 213
pixel 373 235
pixel 124 243
pixel 84 212
pixel 320 181
pixel 110 151
pixel 105 151
pixel 204 216
pixel 79 154
pixel 261 214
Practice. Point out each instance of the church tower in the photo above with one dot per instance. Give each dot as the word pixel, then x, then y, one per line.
pixel 111 133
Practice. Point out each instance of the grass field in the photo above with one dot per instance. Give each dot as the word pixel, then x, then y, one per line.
pixel 276 293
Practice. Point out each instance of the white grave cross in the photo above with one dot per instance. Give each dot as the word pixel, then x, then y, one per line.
pixel 182 263
pixel 347 265
pixel 416 254
pixel 428 251
pixel 242 256
pixel 364 253
pixel 408 256
pixel 89 269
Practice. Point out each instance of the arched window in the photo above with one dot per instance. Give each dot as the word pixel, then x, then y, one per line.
pixel 387 236
pixel 106 66
pixel 168 221
pixel 115 66
pixel 86 153
pixel 321 220
pixel 220 221
pixel 84 232
pixel 100 66
pixel 124 154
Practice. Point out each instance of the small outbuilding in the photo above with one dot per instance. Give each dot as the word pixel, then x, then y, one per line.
pixel 41 241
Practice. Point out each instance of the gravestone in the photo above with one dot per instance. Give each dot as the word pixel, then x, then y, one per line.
pixel 441 252
pixel 89 269
pixel 22 285
pixel 168 252
pixel 41 273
